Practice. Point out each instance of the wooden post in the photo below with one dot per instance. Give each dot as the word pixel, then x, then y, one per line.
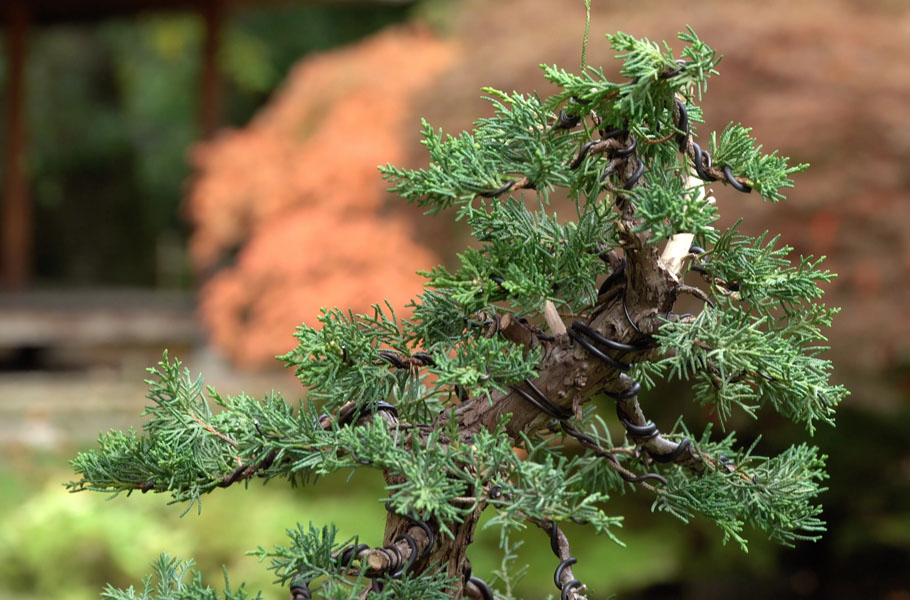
pixel 210 105
pixel 16 216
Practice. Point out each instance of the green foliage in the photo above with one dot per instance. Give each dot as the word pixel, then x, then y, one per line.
pixel 645 97
pixel 767 173
pixel 91 540
pixel 309 556
pixel 117 538
pixel 340 360
pixel 438 318
pixel 486 363
pixel 551 486
pixel 736 358
pixel 668 207
pixel 167 583
pixel 431 585
pixel 772 494
pixel 189 451
pixel 517 142
pixel 759 274
pixel 537 257
pixel 507 572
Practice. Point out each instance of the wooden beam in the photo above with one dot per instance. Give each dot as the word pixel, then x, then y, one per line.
pixel 16 221
pixel 210 83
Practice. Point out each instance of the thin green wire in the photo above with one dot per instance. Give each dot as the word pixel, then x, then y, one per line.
pixel 584 45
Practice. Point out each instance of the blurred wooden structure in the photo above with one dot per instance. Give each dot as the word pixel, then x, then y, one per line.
pixel 50 330
pixel 22 15
pixel 15 218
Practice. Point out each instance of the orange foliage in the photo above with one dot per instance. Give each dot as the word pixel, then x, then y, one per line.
pixel 297 196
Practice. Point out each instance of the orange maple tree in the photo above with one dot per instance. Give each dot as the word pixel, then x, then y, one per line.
pixel 289 214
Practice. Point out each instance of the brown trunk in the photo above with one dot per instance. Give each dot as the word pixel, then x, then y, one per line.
pixel 210 79
pixel 569 375
pixel 16 217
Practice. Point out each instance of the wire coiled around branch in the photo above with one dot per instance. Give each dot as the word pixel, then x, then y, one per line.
pixel 397 563
pixel 564 588
pixel 701 159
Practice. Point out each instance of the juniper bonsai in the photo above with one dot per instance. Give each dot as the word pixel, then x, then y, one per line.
pixel 494 395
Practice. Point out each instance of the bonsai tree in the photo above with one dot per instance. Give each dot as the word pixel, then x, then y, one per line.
pixel 495 395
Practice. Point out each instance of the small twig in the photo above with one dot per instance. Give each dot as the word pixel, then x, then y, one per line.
pixel 727 466
pixel 697 292
pixel 626 451
pixel 214 431
pixel 666 138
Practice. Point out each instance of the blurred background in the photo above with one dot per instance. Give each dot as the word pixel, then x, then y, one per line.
pixel 201 176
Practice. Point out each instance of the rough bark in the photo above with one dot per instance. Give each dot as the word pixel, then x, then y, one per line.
pixel 628 312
